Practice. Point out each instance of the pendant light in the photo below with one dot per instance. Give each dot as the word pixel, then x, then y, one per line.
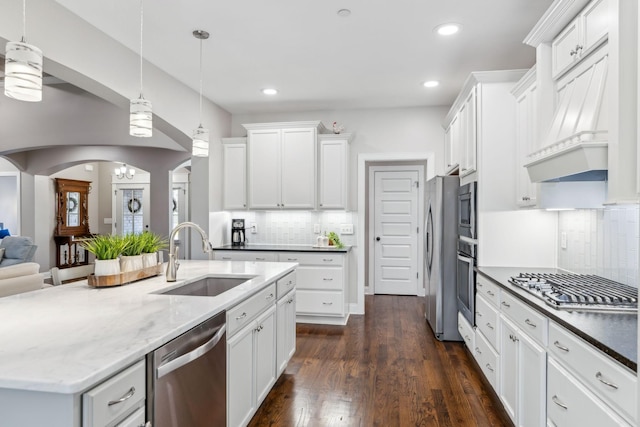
pixel 140 113
pixel 200 147
pixel 23 67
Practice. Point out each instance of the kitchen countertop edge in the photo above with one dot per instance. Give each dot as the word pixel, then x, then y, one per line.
pixel 561 317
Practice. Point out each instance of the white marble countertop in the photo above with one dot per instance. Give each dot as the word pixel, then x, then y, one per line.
pixel 68 338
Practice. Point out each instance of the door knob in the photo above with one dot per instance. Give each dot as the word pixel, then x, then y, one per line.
pixel 377 239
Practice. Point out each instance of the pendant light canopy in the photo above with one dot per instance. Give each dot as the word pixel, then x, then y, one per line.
pixel 23 67
pixel 200 147
pixel 140 112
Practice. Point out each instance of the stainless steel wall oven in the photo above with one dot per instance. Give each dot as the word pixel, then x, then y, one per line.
pixel 467 251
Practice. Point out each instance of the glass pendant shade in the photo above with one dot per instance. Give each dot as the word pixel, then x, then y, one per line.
pixel 140 118
pixel 23 72
pixel 200 146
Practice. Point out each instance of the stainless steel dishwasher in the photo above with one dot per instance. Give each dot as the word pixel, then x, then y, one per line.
pixel 186 378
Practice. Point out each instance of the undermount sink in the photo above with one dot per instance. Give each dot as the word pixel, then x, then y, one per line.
pixel 208 287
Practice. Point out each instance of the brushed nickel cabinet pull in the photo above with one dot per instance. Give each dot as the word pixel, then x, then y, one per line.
pixel 506 304
pixel 127 396
pixel 530 323
pixel 607 383
pixel 558 402
pixel 560 346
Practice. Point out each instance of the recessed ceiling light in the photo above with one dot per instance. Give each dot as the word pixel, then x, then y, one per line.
pixel 431 83
pixel 269 91
pixel 344 12
pixel 448 29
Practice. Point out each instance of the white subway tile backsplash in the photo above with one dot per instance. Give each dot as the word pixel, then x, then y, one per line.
pixel 602 242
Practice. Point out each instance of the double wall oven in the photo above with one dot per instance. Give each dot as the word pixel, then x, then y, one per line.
pixel 467 251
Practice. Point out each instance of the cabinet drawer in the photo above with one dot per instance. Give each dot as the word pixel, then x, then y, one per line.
pixel 488 289
pixel 246 311
pixel 487 358
pixel 487 320
pixel 320 302
pixel 285 284
pixel 527 319
pixel 466 332
pixel 320 278
pixel 137 419
pixel 595 369
pixel 114 398
pixel 245 256
pixel 307 258
pixel 569 403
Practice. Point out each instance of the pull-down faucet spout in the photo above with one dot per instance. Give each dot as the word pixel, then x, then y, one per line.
pixel 173 264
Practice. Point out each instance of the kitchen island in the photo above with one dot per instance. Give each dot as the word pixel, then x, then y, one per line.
pixel 61 341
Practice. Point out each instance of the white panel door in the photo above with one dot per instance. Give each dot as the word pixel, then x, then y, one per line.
pixel 396 232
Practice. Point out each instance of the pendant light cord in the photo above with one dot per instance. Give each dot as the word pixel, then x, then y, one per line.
pixel 141 28
pixel 200 82
pixel 24 20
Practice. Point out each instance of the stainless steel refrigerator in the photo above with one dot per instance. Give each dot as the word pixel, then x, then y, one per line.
pixel 441 237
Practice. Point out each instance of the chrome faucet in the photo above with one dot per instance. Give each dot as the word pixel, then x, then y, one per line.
pixel 173 264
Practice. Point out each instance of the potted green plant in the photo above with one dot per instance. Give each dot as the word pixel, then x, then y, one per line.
pixel 152 244
pixel 334 240
pixel 131 256
pixel 106 248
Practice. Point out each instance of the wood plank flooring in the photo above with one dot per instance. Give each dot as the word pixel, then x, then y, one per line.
pixel 383 369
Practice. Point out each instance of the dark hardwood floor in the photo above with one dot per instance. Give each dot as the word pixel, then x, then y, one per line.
pixel 382 369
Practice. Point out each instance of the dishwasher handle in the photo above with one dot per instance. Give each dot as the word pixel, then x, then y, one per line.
pixel 179 362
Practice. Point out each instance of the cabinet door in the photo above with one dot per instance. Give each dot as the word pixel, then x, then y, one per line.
pixel 526 139
pixel 333 175
pixel 265 354
pixel 454 135
pixel 240 369
pixel 596 21
pixel 286 330
pixel 448 157
pixel 532 383
pixel 298 180
pixel 264 169
pixel 234 178
pixel 563 48
pixel 509 368
pixel 469 138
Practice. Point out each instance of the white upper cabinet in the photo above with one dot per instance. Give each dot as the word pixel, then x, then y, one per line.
pixel 333 171
pixel 282 165
pixel 461 137
pixel 526 136
pixel 234 179
pixel 451 144
pixel 580 37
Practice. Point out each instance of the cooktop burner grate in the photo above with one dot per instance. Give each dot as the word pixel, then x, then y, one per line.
pixel 578 291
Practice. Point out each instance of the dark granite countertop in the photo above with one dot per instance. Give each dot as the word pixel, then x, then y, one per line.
pixel 281 248
pixel 615 334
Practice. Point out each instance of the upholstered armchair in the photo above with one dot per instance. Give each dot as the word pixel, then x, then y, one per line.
pixel 16 250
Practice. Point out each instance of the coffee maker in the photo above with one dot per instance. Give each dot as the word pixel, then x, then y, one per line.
pixel 237 232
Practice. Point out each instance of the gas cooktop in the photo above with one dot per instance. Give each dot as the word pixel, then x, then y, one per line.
pixel 582 292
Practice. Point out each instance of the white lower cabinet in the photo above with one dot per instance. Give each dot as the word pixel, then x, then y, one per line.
pixel 570 403
pixel 523 369
pixel 286 330
pixel 251 367
pixel 466 332
pixel 137 419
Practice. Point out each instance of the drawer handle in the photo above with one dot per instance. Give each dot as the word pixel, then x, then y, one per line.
pixel 290 301
pixel 259 328
pixel 560 346
pixel 530 323
pixel 513 338
pixel 127 396
pixel 292 259
pixel 506 304
pixel 478 350
pixel 478 284
pixel 327 280
pixel 489 367
pixel 558 402
pixel 270 296
pixel 260 259
pixel 226 257
pixel 599 377
pixel 327 303
pixel 489 326
pixel 478 314
pixel 242 316
pixel 491 293
pixel 466 337
pixel 327 259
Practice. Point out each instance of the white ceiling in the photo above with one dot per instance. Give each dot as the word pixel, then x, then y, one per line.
pixel 377 57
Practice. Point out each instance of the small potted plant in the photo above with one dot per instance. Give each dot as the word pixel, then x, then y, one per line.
pixel 334 240
pixel 106 248
pixel 131 257
pixel 153 243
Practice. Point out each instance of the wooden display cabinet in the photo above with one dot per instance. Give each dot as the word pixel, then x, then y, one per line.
pixel 72 222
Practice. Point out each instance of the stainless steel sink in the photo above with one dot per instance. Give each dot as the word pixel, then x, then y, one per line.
pixel 208 287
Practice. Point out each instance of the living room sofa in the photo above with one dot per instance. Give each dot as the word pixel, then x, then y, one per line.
pixel 16 250
pixel 22 277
